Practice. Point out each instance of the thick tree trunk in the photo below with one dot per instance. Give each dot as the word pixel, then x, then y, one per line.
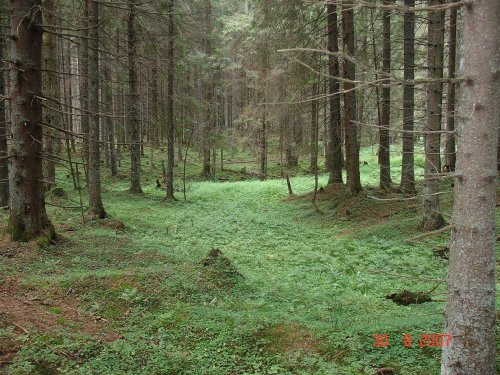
pixel 170 102
pixel 96 208
pixel 4 163
pixel 432 218
pixel 350 127
pixel 28 218
pixel 450 158
pixel 470 307
pixel 108 122
pixel 133 121
pixel 408 167
pixel 384 140
pixel 335 125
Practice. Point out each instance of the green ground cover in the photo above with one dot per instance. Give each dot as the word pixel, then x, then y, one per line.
pixel 293 292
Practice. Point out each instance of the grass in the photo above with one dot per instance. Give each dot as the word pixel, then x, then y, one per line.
pixel 307 296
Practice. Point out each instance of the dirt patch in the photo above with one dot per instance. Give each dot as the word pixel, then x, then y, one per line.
pixel 25 314
pixel 287 338
pixel 13 249
pixel 117 225
pixel 385 371
pixel 406 298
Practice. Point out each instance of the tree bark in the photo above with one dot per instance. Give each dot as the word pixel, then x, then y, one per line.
pixel 314 131
pixel 4 162
pixel 170 102
pixel 264 81
pixel 155 98
pixel 51 89
pixel 108 121
pixel 408 167
pixel 384 141
pixel 96 208
pixel 335 126
pixel 432 218
pixel 208 128
pixel 470 307
pixel 351 138
pixel 450 157
pixel 133 121
pixel 83 67
pixel 28 218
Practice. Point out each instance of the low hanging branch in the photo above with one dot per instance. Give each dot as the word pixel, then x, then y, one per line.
pixel 429 234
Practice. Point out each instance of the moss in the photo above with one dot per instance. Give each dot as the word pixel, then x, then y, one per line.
pixel 42 242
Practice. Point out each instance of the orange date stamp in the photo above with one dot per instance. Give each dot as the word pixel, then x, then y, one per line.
pixel 427 340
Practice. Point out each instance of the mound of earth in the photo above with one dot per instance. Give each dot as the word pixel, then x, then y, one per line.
pixel 218 270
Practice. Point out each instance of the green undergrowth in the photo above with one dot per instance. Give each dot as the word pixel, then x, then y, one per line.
pixel 293 290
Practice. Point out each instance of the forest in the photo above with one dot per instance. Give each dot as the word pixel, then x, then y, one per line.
pixel 249 187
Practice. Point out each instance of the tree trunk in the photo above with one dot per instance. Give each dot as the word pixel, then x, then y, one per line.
pixel 264 83
pixel 51 88
pixel 4 163
pixel 108 123
pixel 83 67
pixel 207 144
pixel 335 130
pixel 133 123
pixel 314 131
pixel 450 158
pixel 408 168
pixel 384 141
pixel 96 208
pixel 170 102
pixel 432 218
pixel 470 307
pixel 28 218
pixel 351 138
pixel 155 97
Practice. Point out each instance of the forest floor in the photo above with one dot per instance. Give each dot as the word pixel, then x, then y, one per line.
pixel 238 279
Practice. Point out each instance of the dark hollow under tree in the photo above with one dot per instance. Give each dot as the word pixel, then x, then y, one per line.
pixel 28 217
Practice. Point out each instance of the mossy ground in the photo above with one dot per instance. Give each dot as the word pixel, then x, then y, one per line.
pixel 307 297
